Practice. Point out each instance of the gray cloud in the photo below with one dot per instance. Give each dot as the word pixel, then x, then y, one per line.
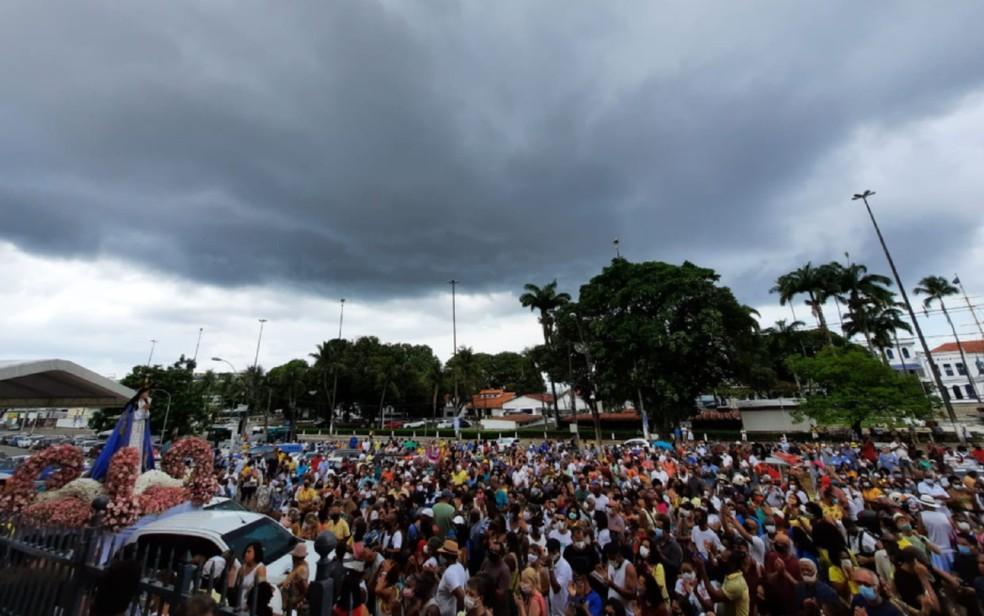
pixel 383 149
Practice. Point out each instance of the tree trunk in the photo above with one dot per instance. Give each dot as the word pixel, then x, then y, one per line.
pixel 556 408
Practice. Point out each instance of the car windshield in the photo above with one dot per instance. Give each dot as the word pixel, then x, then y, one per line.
pixel 275 539
pixel 226 505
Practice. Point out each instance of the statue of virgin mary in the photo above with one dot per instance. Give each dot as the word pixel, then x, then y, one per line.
pixel 132 430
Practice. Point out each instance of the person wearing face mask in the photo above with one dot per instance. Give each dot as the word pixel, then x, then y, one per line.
pixel 451 589
pixel 560 575
pixel 782 572
pixel 670 552
pixel 689 590
pixel 529 599
pixel 582 556
pixel 560 532
pixel 478 593
pixel 812 591
pixel 620 577
pixel 869 600
pixel 913 583
pixel 497 570
pixel 337 525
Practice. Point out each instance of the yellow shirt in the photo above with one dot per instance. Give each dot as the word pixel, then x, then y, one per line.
pixel 872 493
pixel 340 529
pixel 736 590
pixel 305 495
pixel 832 511
pixel 460 477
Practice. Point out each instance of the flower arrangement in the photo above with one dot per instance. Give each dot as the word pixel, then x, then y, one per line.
pixel 20 490
pixel 155 478
pixel 65 512
pixel 124 507
pixel 83 488
pixel 157 499
pixel 202 485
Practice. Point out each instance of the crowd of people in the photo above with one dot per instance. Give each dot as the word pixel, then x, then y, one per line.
pixel 550 529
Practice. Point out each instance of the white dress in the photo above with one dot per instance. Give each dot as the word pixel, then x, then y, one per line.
pixel 140 417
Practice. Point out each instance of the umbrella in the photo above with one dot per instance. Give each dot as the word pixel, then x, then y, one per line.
pixel 662 445
pixel 410 445
pixel 773 460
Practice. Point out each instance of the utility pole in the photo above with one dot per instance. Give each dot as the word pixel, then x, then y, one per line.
pixel 454 341
pixel 153 343
pixel 944 393
pixel 334 386
pixel 618 255
pixel 198 344
pixel 973 313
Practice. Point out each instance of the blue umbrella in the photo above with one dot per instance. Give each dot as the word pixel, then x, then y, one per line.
pixel 662 445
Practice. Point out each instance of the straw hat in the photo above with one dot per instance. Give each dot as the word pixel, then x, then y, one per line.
pixel 449 548
pixel 300 550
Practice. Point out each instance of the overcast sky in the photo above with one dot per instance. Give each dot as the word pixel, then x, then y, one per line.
pixel 180 165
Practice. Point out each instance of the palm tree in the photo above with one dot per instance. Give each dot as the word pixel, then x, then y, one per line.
pixel 547 301
pixel 884 326
pixel 864 295
pixel 817 283
pixel 935 288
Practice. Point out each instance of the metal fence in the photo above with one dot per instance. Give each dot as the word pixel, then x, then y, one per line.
pixel 66 572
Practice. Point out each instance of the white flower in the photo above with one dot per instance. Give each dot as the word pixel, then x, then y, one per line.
pixel 82 488
pixel 155 478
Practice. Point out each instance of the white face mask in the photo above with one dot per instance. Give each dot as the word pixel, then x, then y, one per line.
pixel 532 558
pixel 690 576
pixel 579 545
pixel 469 602
pixel 644 552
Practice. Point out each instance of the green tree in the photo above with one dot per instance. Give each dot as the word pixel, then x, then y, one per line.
pixel 863 294
pixel 851 387
pixel 660 332
pixel 287 383
pixel 935 288
pixel 547 300
pixel 178 399
pixel 817 283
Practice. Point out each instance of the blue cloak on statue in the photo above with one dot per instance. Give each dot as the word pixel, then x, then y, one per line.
pixel 120 439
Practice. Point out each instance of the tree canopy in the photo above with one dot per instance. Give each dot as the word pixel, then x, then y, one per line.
pixel 852 387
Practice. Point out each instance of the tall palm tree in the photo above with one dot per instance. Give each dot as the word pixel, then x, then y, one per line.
pixel 884 325
pixel 547 301
pixel 817 283
pixel 935 288
pixel 864 295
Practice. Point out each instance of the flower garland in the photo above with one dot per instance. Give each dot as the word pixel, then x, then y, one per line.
pixel 156 478
pixel 83 489
pixel 124 507
pixel 20 490
pixel 202 485
pixel 65 513
pixel 158 499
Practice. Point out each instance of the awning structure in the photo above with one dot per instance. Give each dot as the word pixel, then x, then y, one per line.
pixel 48 383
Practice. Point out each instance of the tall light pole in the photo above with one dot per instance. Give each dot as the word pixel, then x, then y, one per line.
pixel 153 343
pixel 618 255
pixel 912 315
pixel 334 385
pixel 242 425
pixel 341 317
pixel 198 344
pixel 258 340
pixel 454 341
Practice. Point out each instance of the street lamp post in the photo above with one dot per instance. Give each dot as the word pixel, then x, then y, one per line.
pixel 167 412
pixel 915 322
pixel 454 340
pixel 334 384
pixel 241 427
pixel 258 340
pixel 153 343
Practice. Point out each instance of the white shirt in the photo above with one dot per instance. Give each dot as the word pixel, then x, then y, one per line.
pixel 698 537
pixel 558 600
pixel 454 577
pixel 601 502
pixel 564 538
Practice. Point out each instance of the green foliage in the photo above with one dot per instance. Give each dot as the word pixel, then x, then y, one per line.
pixel 188 412
pixel 853 388
pixel 667 331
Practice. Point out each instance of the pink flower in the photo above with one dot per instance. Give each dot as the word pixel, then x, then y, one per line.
pixel 157 499
pixel 20 491
pixel 202 484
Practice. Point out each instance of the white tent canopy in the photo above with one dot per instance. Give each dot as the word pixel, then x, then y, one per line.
pixel 47 383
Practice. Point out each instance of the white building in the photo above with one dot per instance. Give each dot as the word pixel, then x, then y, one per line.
pixel 964 383
pixel 906 357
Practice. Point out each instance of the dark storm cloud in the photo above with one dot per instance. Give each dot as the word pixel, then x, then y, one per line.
pixel 384 149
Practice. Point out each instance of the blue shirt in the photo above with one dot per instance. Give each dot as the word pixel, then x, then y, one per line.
pixel 592 602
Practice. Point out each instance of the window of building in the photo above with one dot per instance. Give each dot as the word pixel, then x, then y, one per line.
pixel 948 369
pixel 957 393
pixel 961 370
pixel 970 391
pixel 889 353
pixel 905 352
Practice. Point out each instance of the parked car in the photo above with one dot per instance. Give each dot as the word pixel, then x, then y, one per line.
pixel 222 503
pixel 416 423
pixel 393 423
pixel 448 424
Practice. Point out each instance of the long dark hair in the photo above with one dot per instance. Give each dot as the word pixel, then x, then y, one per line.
pixel 257 551
pixel 133 401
